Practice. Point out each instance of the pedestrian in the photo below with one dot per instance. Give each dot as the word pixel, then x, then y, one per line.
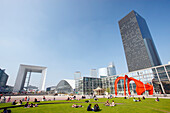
pixel 25 98
pixel 4 99
pixel 9 98
pixel 28 99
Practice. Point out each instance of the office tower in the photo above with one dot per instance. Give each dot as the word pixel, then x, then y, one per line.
pixel 3 78
pixel 77 75
pixel 111 69
pixel 103 72
pixel 138 45
pixel 93 73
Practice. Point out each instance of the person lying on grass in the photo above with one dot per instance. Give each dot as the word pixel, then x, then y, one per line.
pixel 76 106
pixel 87 101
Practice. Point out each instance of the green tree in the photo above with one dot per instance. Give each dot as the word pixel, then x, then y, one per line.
pixel 108 90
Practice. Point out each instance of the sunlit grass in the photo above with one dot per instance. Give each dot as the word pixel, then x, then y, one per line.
pixel 126 105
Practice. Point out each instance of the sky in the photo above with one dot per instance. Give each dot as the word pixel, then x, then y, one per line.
pixel 73 35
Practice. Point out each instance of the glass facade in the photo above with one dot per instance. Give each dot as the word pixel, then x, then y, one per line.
pixel 93 73
pixel 65 86
pixel 138 45
pixel 3 78
pixel 158 76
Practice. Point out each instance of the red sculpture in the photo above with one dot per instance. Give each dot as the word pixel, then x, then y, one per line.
pixel 140 86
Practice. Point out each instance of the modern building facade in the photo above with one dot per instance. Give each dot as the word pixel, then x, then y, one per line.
pixel 107 71
pixel 65 86
pixel 138 45
pixel 24 74
pixel 158 76
pixel 77 75
pixel 87 84
pixel 93 73
pixel 111 69
pixel 103 72
pixel 3 78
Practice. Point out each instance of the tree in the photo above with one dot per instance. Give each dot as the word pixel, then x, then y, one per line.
pixel 108 90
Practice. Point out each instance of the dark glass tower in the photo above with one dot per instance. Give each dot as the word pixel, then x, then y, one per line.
pixel 138 45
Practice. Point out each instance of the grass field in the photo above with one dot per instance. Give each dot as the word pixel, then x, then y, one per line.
pixel 126 106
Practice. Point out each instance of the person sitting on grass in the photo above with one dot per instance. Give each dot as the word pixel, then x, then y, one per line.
pixel 96 107
pixel 139 99
pixel 6 111
pixel 44 99
pixel 89 108
pixel 134 100
pixel 14 103
pixel 107 103
pixel 36 105
pixel 68 99
pixel 143 97
pixel 27 105
pixel 157 99
pixel 113 103
pixel 19 103
pixel 35 100
pixel 32 105
pixel 96 99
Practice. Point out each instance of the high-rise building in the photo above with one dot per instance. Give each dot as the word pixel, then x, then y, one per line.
pixel 103 72
pixel 77 75
pixel 138 45
pixel 111 69
pixel 3 78
pixel 107 71
pixel 93 73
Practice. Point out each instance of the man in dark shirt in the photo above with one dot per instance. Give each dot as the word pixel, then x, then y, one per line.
pixel 14 103
pixel 89 108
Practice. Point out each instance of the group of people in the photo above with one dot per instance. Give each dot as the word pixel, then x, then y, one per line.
pixel 26 99
pixel 136 100
pixel 110 104
pixel 4 99
pixel 15 102
pixel 71 98
pixel 95 98
pixel 27 105
pixel 96 108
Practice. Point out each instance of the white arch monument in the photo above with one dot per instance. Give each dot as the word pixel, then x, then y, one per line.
pixel 23 74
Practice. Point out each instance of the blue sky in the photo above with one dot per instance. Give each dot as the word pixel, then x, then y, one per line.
pixel 73 35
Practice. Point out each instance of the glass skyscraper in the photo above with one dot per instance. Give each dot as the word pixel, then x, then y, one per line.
pixel 138 45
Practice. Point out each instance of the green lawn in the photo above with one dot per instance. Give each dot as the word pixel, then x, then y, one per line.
pixel 145 106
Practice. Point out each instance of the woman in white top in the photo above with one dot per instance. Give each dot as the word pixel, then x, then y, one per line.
pixel 113 103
